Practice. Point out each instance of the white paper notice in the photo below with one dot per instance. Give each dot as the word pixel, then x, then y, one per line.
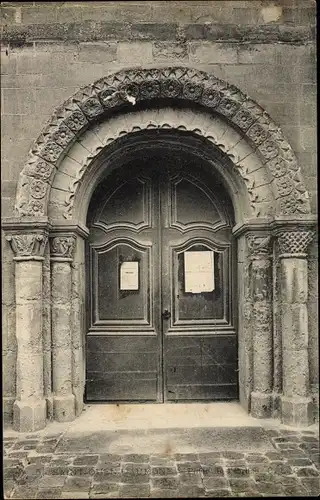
pixel 199 271
pixel 129 276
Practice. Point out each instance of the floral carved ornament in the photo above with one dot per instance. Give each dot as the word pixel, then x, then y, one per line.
pixel 129 87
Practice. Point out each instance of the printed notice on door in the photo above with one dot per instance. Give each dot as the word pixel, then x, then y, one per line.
pixel 199 271
pixel 129 276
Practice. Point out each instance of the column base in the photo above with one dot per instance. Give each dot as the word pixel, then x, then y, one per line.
pixel 49 400
pixel 297 411
pixel 276 405
pixel 29 415
pixel 64 408
pixel 261 405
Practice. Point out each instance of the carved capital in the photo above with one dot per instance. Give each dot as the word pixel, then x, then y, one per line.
pixel 292 243
pixel 62 247
pixel 259 246
pixel 28 244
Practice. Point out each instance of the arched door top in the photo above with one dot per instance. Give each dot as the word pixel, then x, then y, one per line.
pixel 130 90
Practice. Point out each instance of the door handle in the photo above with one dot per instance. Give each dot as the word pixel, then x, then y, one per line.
pixel 166 314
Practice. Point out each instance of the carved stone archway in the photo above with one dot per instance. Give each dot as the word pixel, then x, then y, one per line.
pixel 273 231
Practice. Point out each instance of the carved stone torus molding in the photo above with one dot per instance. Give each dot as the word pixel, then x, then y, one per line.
pixel 128 88
pixel 62 247
pixel 293 243
pixel 28 245
pixel 259 246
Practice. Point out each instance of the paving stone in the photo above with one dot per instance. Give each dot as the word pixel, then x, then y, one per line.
pixel 109 458
pixel 212 470
pixel 299 462
pixel 163 471
pixel 134 492
pixel 111 477
pixel 214 483
pixel 269 487
pixel 186 457
pixel 263 477
pixel 287 439
pixel 18 454
pixel 241 484
pixel 275 456
pixel 44 493
pixel 295 491
pixel 105 487
pixel 165 482
pixel 237 471
pixel 236 463
pixel 52 481
pixel 75 483
pixel 190 491
pixel 288 446
pixel 59 470
pixel 312 485
pixel 307 472
pixel 110 468
pixel 86 460
pixel 280 469
pixel 24 492
pixel 81 470
pixel 310 439
pixel 8 487
pixel 188 466
pixel 30 474
pixel 232 455
pixel 209 457
pixel 12 472
pixel 39 459
pixel 219 493
pixel 135 458
pixel 255 458
pixel 46 448
pixel 272 432
pixel 285 480
pixel 162 462
pixel 162 493
pixel 11 462
pixel 190 478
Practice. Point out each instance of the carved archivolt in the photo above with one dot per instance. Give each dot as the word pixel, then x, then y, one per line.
pixel 127 88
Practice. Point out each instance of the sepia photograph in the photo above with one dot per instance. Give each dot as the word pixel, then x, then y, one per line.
pixel 159 252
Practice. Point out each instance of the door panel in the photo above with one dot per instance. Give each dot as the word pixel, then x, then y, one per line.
pixel 140 233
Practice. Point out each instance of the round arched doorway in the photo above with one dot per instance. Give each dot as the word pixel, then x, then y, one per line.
pixel 161 287
pixel 87 138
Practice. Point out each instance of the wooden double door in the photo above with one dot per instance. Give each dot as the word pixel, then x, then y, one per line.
pixel 160 266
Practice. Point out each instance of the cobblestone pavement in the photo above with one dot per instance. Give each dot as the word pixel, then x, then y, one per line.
pixel 33 469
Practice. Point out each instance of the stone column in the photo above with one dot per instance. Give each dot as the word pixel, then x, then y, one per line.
pixel 296 404
pixel 62 251
pixel 29 410
pixel 261 290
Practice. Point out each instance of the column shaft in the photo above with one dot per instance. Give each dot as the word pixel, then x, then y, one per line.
pixel 262 327
pixel 296 408
pixel 63 398
pixel 29 410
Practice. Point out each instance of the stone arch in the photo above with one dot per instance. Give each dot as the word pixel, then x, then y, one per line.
pixel 273 232
pixel 162 87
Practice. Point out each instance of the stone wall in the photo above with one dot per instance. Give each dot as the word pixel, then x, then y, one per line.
pixel 50 50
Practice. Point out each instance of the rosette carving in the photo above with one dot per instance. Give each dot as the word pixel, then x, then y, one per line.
pixel 177 83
